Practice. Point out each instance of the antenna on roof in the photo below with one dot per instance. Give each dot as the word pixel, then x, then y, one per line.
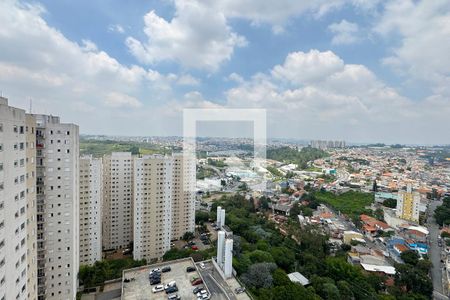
pixel 31 106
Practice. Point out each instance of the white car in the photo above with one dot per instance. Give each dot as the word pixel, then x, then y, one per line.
pixel 202 265
pixel 158 288
pixel 170 284
pixel 206 297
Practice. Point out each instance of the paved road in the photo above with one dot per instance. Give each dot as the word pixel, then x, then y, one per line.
pixel 216 285
pixel 435 251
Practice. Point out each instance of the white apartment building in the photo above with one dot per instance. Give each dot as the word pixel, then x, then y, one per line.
pixel 153 179
pixel 57 192
pixel 117 200
pixel 91 198
pixel 30 133
pixel 13 203
pixel 183 195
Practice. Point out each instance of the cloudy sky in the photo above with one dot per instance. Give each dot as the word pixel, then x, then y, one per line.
pixel 359 70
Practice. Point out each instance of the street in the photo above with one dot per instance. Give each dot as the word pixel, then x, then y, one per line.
pixel 435 252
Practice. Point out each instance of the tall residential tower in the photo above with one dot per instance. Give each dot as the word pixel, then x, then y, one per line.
pixel 13 202
pixel 118 200
pixel 91 198
pixel 408 204
pixel 153 180
pixel 57 188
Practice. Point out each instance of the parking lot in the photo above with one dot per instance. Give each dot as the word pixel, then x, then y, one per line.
pixel 139 288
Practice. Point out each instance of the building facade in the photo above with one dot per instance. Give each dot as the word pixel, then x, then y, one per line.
pixel 30 134
pixel 408 203
pixel 91 198
pixel 118 200
pixel 57 192
pixel 183 195
pixel 153 180
pixel 13 203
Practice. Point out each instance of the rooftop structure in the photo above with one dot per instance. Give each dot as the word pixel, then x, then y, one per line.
pixel 298 278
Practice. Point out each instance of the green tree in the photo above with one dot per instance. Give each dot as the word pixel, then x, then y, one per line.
pixel 412 280
pixel 201 217
pixel 442 213
pixel 259 256
pixel 284 257
pixel 188 235
pixel 259 275
pixel 391 203
pixel 292 291
pixel 345 290
pixel 280 278
pixel 410 257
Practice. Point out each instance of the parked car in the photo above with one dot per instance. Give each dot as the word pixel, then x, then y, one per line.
pixel 239 290
pixel 190 269
pixel 166 269
pixel 174 297
pixel 202 265
pixel 155 281
pixel 171 289
pixel 197 281
pixel 197 289
pixel 158 288
pixel 170 284
pixel 127 251
pixel 158 270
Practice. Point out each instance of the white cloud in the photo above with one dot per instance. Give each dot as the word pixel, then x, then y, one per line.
pixel 235 77
pixel 75 80
pixel 316 94
pixel 300 67
pixel 119 100
pixel 278 13
pixel 196 37
pixel 420 33
pixel 345 33
pixel 116 28
pixel 187 79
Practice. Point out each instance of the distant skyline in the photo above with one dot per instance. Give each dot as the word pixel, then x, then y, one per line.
pixel 356 70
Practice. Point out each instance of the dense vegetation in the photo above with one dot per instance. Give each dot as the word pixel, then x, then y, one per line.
pixel 263 257
pixel 351 203
pixel 295 156
pixel 203 173
pixel 442 213
pixel 219 163
pixel 100 148
pixel 274 171
pixel 104 270
pixel 391 203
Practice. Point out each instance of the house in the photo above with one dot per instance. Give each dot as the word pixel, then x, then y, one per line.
pixel 415 235
pixel 298 278
pixel 353 235
pixel 400 248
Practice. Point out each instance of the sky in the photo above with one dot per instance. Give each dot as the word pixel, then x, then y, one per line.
pixel 356 70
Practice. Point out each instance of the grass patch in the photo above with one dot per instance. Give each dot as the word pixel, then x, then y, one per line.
pixel 351 203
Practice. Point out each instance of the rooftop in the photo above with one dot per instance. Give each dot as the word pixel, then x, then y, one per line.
pixel 298 278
